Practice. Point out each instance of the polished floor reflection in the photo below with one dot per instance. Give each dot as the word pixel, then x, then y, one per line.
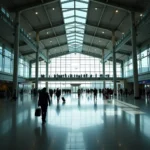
pixel 78 124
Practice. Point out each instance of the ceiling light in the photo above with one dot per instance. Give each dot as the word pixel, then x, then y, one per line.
pixel 50 41
pixel 46 32
pixel 99 41
pixel 123 33
pixel 103 32
pixel 53 8
pixel 141 15
pixel 36 13
pixel 116 11
pixel 95 8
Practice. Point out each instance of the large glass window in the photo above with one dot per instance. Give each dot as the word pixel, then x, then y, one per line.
pixel 78 64
pixel 7 61
pixel 21 67
pixel 83 84
pixel 143 60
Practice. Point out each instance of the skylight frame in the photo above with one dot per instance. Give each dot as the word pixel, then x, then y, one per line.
pixel 74 21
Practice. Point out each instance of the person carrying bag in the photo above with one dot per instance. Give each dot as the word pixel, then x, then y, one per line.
pixel 43 103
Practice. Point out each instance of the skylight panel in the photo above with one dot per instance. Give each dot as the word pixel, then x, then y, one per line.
pixel 81 5
pixel 71 38
pixel 68 31
pixel 79 41
pixel 80 20
pixel 81 13
pixel 79 30
pixel 80 25
pixel 71 34
pixel 80 38
pixel 71 41
pixel 68 13
pixel 74 13
pixel 71 30
pixel 69 20
pixel 65 1
pixel 68 5
pixel 80 35
pixel 85 0
pixel 71 25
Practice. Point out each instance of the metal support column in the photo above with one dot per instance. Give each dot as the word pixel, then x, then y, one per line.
pixel 114 62
pixel 3 56
pixel 16 56
pixel 30 65
pixel 134 56
pixel 37 63
pixel 103 68
pixel 47 72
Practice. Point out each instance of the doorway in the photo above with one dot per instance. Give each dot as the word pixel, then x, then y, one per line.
pixel 75 87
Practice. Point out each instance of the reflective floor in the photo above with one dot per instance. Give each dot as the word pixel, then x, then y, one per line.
pixel 85 124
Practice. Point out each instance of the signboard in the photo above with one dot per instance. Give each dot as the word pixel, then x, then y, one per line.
pixel 144 82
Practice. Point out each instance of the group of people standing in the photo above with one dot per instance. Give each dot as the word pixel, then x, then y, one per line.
pixel 57 92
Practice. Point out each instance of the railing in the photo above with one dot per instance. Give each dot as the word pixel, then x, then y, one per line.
pixel 23 32
pixel 78 76
pixel 144 17
pixel 122 40
pixel 140 22
pixel 7 18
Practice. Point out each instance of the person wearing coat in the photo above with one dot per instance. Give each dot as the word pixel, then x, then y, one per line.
pixel 44 101
pixel 58 93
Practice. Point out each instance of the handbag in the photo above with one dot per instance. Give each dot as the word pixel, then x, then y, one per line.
pixel 38 112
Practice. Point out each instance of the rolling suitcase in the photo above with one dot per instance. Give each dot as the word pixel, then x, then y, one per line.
pixel 63 99
pixel 38 112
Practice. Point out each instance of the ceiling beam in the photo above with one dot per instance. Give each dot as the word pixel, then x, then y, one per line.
pixel 91 54
pixel 82 52
pixel 109 38
pixel 51 37
pixel 40 54
pixel 30 6
pixel 118 5
pixel 27 53
pixel 117 60
pixel 124 53
pixel 48 27
pixel 59 54
pixel 84 44
pixel 94 46
pixel 89 24
pixel 127 36
pixel 43 56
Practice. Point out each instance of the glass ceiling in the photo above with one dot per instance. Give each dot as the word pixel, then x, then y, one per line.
pixel 74 13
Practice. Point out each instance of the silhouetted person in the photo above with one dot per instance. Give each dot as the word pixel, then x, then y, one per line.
pixel 126 92
pixel 51 93
pixel 79 92
pixel 43 102
pixel 95 93
pixel 121 91
pixel 58 93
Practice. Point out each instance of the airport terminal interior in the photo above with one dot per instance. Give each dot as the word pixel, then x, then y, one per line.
pixel 96 53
